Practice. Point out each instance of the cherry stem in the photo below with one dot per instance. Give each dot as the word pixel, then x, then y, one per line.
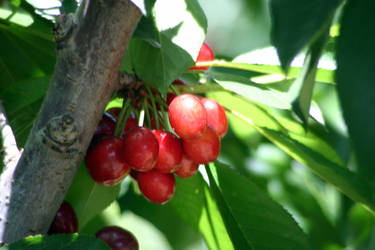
pixel 147 112
pixel 142 115
pixel 174 89
pixel 122 118
pixel 154 109
pixel 199 88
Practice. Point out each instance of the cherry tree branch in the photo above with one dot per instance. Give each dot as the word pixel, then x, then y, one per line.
pixel 90 46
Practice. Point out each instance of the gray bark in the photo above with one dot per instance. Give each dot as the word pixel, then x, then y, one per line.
pixel 90 47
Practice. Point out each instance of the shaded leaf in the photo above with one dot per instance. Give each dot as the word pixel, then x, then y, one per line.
pixel 89 198
pixel 355 81
pixel 296 23
pixel 252 218
pixel 304 84
pixel 58 242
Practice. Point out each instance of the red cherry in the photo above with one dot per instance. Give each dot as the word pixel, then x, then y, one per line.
pixel 65 221
pixel 140 148
pixel 203 148
pixel 106 126
pixel 118 238
pixel 187 115
pixel 216 116
pixel 105 162
pixel 170 151
pixel 170 98
pixel 132 122
pixel 187 167
pixel 156 187
pixel 205 54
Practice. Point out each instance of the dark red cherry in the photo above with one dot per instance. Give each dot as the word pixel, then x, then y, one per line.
pixel 187 167
pixel 170 151
pixel 156 186
pixel 106 163
pixel 187 115
pixel 106 126
pixel 131 121
pixel 203 148
pixel 140 148
pixel 118 238
pixel 65 221
pixel 216 116
pixel 205 54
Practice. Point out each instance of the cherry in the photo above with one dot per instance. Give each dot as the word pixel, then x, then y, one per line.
pixel 205 54
pixel 140 148
pixel 65 221
pixel 106 126
pixel 156 186
pixel 203 148
pixel 216 116
pixel 130 123
pixel 117 238
pixel 187 115
pixel 170 151
pixel 171 96
pixel 187 167
pixel 105 162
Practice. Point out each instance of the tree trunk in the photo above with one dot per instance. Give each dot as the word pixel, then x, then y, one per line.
pixel 90 47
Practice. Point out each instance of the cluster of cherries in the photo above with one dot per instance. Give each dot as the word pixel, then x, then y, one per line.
pixel 152 153
pixel 65 222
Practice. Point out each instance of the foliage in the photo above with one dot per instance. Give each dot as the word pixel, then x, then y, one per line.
pixel 293 174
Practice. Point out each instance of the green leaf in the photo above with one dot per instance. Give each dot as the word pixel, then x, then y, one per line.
pixel 22 101
pixel 180 36
pixel 296 23
pixel 89 198
pixel 23 93
pixel 30 52
pixel 238 81
pixel 355 81
pixel 195 204
pixel 241 67
pixel 310 149
pixel 58 242
pixel 253 220
pixel 68 6
pixel 304 84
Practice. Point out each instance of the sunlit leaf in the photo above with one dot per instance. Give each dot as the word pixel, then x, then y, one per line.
pixel 161 57
pixel 193 201
pixel 308 148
